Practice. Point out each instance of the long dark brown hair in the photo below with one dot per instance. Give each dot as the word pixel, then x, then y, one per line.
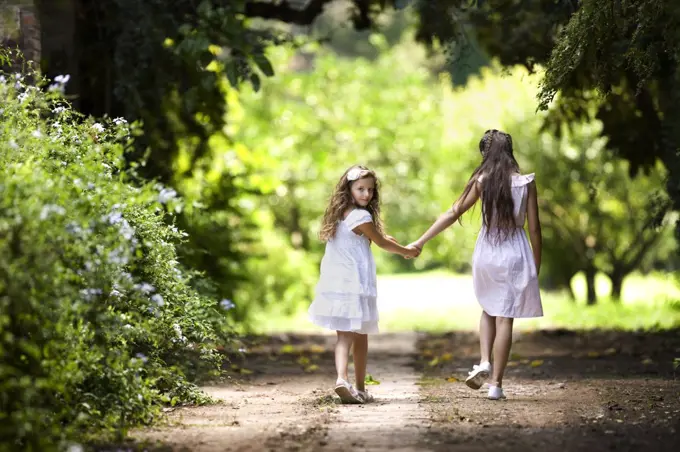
pixel 341 200
pixel 495 176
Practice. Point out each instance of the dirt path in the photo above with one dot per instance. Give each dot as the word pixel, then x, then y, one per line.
pixel 280 398
pixel 566 391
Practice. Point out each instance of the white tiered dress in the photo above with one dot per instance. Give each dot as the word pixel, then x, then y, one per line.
pixel 346 294
pixel 504 275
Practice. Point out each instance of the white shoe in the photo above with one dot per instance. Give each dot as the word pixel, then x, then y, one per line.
pixel 478 374
pixel 365 396
pixel 496 393
pixel 346 392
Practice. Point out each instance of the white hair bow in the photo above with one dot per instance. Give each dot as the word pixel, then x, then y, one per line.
pixel 356 173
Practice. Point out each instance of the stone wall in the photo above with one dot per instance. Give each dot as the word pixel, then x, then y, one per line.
pixel 20 27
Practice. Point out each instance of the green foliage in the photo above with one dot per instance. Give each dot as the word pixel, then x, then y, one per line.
pixel 596 215
pixel 169 69
pixel 630 52
pixel 99 325
pixel 421 136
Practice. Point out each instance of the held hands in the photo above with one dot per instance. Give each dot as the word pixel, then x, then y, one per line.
pixel 415 251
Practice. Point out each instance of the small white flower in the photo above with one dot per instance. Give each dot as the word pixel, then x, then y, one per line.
pixel 18 76
pixel 158 299
pixel 115 217
pixel 142 357
pixel 119 121
pixel 117 257
pixel 75 448
pixel 3 79
pixel 74 228
pixel 127 326
pixel 58 110
pixel 89 294
pixel 178 330
pixel 166 195
pixel 227 304
pixel 115 293
pixel 51 208
pixel 36 133
pixel 126 230
pixel 13 144
pixel 145 287
pixel 63 79
pixel 22 97
pixel 98 127
pixel 55 87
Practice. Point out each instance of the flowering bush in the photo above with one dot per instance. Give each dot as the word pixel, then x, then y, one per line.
pixel 99 325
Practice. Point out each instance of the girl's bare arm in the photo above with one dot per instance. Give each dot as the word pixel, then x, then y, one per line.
pixel 369 230
pixel 534 224
pixel 450 216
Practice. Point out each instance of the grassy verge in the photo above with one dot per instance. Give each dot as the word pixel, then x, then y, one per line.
pixel 440 301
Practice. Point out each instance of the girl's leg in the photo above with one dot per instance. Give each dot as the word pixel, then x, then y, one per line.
pixel 487 335
pixel 342 347
pixel 360 359
pixel 501 349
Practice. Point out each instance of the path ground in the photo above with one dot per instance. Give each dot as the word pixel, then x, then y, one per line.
pixel 566 391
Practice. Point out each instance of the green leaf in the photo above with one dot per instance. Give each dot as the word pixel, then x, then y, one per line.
pixel 369 380
pixel 264 64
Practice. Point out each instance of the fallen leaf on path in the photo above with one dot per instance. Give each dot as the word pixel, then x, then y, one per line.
pixel 536 363
pixel 303 360
pixel 524 361
pixel 512 364
pixel 369 380
pixel 452 380
pixel 287 348
pixel 311 368
pixel 515 356
pixel 316 348
pixel 593 354
pixel 647 361
pixel 446 357
pixel 434 362
pixel 610 351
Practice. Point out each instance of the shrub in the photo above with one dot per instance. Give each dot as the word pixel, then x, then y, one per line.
pixel 99 325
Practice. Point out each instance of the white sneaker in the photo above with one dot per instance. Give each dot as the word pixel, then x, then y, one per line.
pixel 346 392
pixel 365 396
pixel 495 393
pixel 478 374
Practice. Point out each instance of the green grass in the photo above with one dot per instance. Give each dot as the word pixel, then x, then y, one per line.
pixel 444 302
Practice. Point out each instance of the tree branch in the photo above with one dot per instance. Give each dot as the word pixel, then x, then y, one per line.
pixel 285 12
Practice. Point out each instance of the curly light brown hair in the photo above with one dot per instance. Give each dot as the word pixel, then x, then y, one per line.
pixel 341 200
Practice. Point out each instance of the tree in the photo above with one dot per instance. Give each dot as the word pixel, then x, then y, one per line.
pixel 629 52
pixel 600 217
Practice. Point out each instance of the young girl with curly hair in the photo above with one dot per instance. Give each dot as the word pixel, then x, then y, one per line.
pixel 346 295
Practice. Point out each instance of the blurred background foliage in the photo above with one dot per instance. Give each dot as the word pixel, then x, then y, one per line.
pixel 232 123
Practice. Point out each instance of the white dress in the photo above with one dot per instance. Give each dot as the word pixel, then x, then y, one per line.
pixel 346 294
pixel 504 275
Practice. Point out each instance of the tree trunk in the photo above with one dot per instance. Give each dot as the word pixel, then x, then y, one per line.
pixel 590 282
pixel 617 283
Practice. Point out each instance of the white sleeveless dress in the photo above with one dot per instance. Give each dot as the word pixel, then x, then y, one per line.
pixel 504 275
pixel 346 294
